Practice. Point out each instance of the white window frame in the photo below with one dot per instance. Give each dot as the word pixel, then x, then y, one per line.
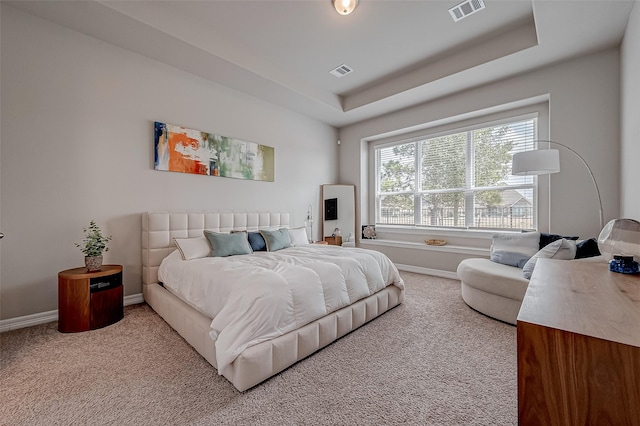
pixel 451 125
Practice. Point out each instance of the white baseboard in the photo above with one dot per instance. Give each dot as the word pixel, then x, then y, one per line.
pixel 427 271
pixel 133 299
pixel 50 316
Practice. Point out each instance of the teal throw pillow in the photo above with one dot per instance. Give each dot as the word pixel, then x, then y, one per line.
pixel 228 244
pixel 276 240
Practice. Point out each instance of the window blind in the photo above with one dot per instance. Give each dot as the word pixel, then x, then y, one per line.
pixel 461 179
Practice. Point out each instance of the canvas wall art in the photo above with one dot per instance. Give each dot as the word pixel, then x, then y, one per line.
pixel 178 149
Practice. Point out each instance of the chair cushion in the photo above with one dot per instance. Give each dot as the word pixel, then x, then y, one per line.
pixel 492 277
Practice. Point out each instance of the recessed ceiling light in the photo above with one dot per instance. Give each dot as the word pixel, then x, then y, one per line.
pixel 466 8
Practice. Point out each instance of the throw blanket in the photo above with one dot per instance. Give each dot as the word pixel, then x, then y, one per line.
pixel 256 297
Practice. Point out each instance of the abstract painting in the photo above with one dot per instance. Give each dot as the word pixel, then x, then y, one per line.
pixel 178 149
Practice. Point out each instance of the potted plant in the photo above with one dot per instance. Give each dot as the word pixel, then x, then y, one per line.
pixel 93 245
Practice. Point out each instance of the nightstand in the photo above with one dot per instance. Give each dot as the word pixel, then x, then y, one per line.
pixel 89 300
pixel 321 242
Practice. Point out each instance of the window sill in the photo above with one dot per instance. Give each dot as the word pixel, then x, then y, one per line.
pixel 473 251
pixel 442 232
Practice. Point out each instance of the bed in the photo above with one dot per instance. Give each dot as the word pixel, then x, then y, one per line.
pixel 260 358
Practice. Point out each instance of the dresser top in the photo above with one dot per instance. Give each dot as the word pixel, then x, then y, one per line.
pixel 584 298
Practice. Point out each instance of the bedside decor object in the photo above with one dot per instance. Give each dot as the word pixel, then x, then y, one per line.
pixel 620 237
pixel 547 161
pixel 178 149
pixel 93 246
pixel 334 240
pixel 369 232
pixel 624 265
pixel 308 224
pixel 435 242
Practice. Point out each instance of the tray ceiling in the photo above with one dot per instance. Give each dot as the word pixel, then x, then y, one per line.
pixel 401 52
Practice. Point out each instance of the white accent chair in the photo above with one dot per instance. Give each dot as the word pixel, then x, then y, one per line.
pixel 493 289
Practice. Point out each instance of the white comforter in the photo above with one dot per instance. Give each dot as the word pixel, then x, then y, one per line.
pixel 259 296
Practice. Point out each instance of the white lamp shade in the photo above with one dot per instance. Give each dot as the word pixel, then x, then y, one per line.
pixel 537 162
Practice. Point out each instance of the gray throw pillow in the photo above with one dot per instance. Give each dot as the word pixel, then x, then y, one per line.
pixel 559 249
pixel 276 240
pixel 514 249
pixel 228 244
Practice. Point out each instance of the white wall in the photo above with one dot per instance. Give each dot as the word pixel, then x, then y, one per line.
pixel 77 144
pixel 630 118
pixel 584 113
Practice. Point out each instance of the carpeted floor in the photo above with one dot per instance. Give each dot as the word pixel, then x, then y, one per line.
pixel 430 361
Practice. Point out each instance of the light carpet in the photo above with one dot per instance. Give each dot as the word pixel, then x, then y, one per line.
pixel 430 361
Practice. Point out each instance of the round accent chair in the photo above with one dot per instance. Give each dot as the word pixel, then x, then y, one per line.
pixel 493 289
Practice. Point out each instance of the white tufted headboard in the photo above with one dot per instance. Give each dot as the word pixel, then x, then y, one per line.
pixel 160 228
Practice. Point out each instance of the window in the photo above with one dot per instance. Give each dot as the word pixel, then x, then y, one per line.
pixel 461 179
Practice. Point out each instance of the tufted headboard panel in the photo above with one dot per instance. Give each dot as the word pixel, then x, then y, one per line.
pixel 160 228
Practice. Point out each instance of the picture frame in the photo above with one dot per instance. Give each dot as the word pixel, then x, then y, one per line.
pixel 369 232
pixel 183 150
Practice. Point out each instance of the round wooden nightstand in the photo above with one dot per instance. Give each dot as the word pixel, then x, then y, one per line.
pixel 89 300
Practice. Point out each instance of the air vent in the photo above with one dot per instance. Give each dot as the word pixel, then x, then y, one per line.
pixel 341 71
pixel 465 9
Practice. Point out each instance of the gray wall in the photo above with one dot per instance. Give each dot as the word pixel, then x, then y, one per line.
pixel 584 105
pixel 630 119
pixel 77 144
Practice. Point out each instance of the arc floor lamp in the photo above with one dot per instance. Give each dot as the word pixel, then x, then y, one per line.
pixel 547 161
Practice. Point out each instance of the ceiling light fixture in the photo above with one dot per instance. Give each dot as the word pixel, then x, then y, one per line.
pixel 344 7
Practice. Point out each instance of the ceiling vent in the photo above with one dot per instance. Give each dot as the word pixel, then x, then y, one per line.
pixel 465 9
pixel 341 71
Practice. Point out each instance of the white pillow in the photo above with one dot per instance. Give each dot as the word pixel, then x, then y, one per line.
pixel 514 249
pixel 298 237
pixel 193 248
pixel 560 249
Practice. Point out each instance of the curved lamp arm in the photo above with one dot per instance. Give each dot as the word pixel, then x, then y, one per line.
pixel 593 179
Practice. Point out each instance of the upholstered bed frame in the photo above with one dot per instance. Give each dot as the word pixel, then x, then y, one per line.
pixel 256 363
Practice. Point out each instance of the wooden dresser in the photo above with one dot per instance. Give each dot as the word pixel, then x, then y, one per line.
pixel 579 346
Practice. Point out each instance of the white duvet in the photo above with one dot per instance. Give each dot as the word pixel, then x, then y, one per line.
pixel 259 296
